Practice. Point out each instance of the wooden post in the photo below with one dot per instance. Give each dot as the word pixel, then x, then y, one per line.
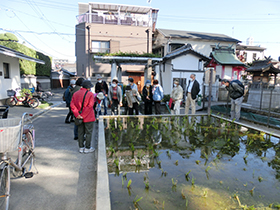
pixel 210 92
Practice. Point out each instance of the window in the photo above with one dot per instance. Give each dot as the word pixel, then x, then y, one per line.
pixel 100 46
pixel 6 68
pixel 254 56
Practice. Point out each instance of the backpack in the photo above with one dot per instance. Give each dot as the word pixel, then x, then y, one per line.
pixel 239 83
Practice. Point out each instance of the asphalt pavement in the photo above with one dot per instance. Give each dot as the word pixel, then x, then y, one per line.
pixel 66 179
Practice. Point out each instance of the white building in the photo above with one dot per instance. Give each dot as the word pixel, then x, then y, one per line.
pixel 9 70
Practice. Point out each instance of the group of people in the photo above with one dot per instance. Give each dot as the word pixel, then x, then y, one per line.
pixel 85 105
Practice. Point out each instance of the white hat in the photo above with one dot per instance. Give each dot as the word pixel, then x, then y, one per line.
pixel 100 96
pixel 72 82
pixel 98 76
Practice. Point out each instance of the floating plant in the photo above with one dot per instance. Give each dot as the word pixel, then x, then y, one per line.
pixel 208 168
pixel 260 178
pixel 197 162
pixel 176 162
pixel 187 175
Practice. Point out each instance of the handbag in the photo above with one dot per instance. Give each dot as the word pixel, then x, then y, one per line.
pixel 80 121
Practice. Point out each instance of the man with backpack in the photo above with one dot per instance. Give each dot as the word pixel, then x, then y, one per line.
pixel 236 91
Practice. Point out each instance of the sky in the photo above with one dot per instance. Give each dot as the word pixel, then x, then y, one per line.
pixel 49 26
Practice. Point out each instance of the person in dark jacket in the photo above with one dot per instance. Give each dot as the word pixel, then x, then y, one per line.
pixel 148 98
pixel 101 86
pixel 79 82
pixel 192 91
pixel 68 97
pixel 236 92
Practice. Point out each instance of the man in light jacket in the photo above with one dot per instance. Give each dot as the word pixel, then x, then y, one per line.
pixel 176 95
pixel 192 91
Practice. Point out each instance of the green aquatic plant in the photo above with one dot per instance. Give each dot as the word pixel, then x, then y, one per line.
pixel 187 202
pixel 135 201
pixel 124 175
pixel 260 178
pixel 205 193
pixel 116 161
pixel 183 195
pixel 193 180
pixel 176 162
pixel 197 162
pixel 132 147
pixel 208 168
pixel 138 162
pixel 146 176
pixel 174 183
pixel 168 153
pixel 252 191
pixel 163 205
pixel 156 153
pixel 128 184
pixel 147 184
pixel 187 175
pixel 122 181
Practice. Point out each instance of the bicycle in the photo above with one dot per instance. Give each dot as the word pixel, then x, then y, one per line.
pixel 15 135
pixel 26 100
pixel 42 96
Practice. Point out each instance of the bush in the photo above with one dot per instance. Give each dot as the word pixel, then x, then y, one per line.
pixel 28 67
pixel 166 98
pixel 8 37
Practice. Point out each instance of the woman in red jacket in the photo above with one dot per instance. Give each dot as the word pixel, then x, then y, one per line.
pixel 87 114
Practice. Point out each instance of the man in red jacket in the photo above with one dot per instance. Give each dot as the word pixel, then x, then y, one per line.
pixel 87 114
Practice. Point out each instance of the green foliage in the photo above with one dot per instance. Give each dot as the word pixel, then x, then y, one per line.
pixel 27 67
pixel 166 98
pixel 130 54
pixel 8 37
pixel 25 92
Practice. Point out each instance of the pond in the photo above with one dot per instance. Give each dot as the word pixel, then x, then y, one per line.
pixel 190 163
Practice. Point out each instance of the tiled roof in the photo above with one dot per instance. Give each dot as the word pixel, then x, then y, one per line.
pixel 196 35
pixel 226 56
pixel 13 53
pixel 263 66
pixel 185 50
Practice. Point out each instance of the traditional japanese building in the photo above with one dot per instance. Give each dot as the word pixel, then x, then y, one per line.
pixel 226 64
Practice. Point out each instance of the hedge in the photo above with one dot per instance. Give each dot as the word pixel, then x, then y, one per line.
pixel 27 67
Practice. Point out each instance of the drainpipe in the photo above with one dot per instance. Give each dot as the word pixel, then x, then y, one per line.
pixel 148 39
pixel 88 72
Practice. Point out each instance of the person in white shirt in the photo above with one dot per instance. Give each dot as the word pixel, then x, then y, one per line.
pixel 192 91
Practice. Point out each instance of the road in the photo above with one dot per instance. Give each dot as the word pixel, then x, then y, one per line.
pixel 66 178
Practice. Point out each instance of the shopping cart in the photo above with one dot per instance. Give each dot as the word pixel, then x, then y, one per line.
pixel 4 110
pixel 10 134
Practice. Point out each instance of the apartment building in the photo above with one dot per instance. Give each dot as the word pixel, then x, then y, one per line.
pixel 111 28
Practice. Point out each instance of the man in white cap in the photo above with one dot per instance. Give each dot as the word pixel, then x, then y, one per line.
pixel 176 95
pixel 101 86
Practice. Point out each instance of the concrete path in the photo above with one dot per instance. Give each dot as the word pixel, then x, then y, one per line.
pixel 66 178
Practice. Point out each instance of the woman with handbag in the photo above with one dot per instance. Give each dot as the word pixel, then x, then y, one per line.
pixel 82 107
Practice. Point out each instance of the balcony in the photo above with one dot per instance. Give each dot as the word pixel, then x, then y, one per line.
pixel 114 19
